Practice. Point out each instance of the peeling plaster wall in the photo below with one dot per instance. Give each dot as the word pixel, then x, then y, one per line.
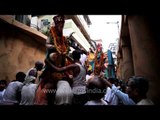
pixel 18 52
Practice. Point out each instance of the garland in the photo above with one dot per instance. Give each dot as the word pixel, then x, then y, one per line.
pixel 61 48
pixel 98 64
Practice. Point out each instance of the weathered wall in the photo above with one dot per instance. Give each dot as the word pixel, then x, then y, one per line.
pixel 125 64
pixel 145 40
pixel 145 50
pixel 18 51
pixel 128 69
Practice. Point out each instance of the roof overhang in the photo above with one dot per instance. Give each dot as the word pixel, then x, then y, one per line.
pixel 8 19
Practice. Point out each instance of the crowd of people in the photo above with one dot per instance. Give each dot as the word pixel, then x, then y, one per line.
pixel 78 78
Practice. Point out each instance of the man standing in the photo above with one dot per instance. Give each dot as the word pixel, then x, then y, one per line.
pixel 34 71
pixel 12 94
pixel 57 51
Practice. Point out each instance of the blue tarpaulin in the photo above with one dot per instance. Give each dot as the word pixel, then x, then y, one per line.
pixel 111 68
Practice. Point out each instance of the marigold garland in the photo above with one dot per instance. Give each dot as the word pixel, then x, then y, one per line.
pixel 98 64
pixel 61 48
